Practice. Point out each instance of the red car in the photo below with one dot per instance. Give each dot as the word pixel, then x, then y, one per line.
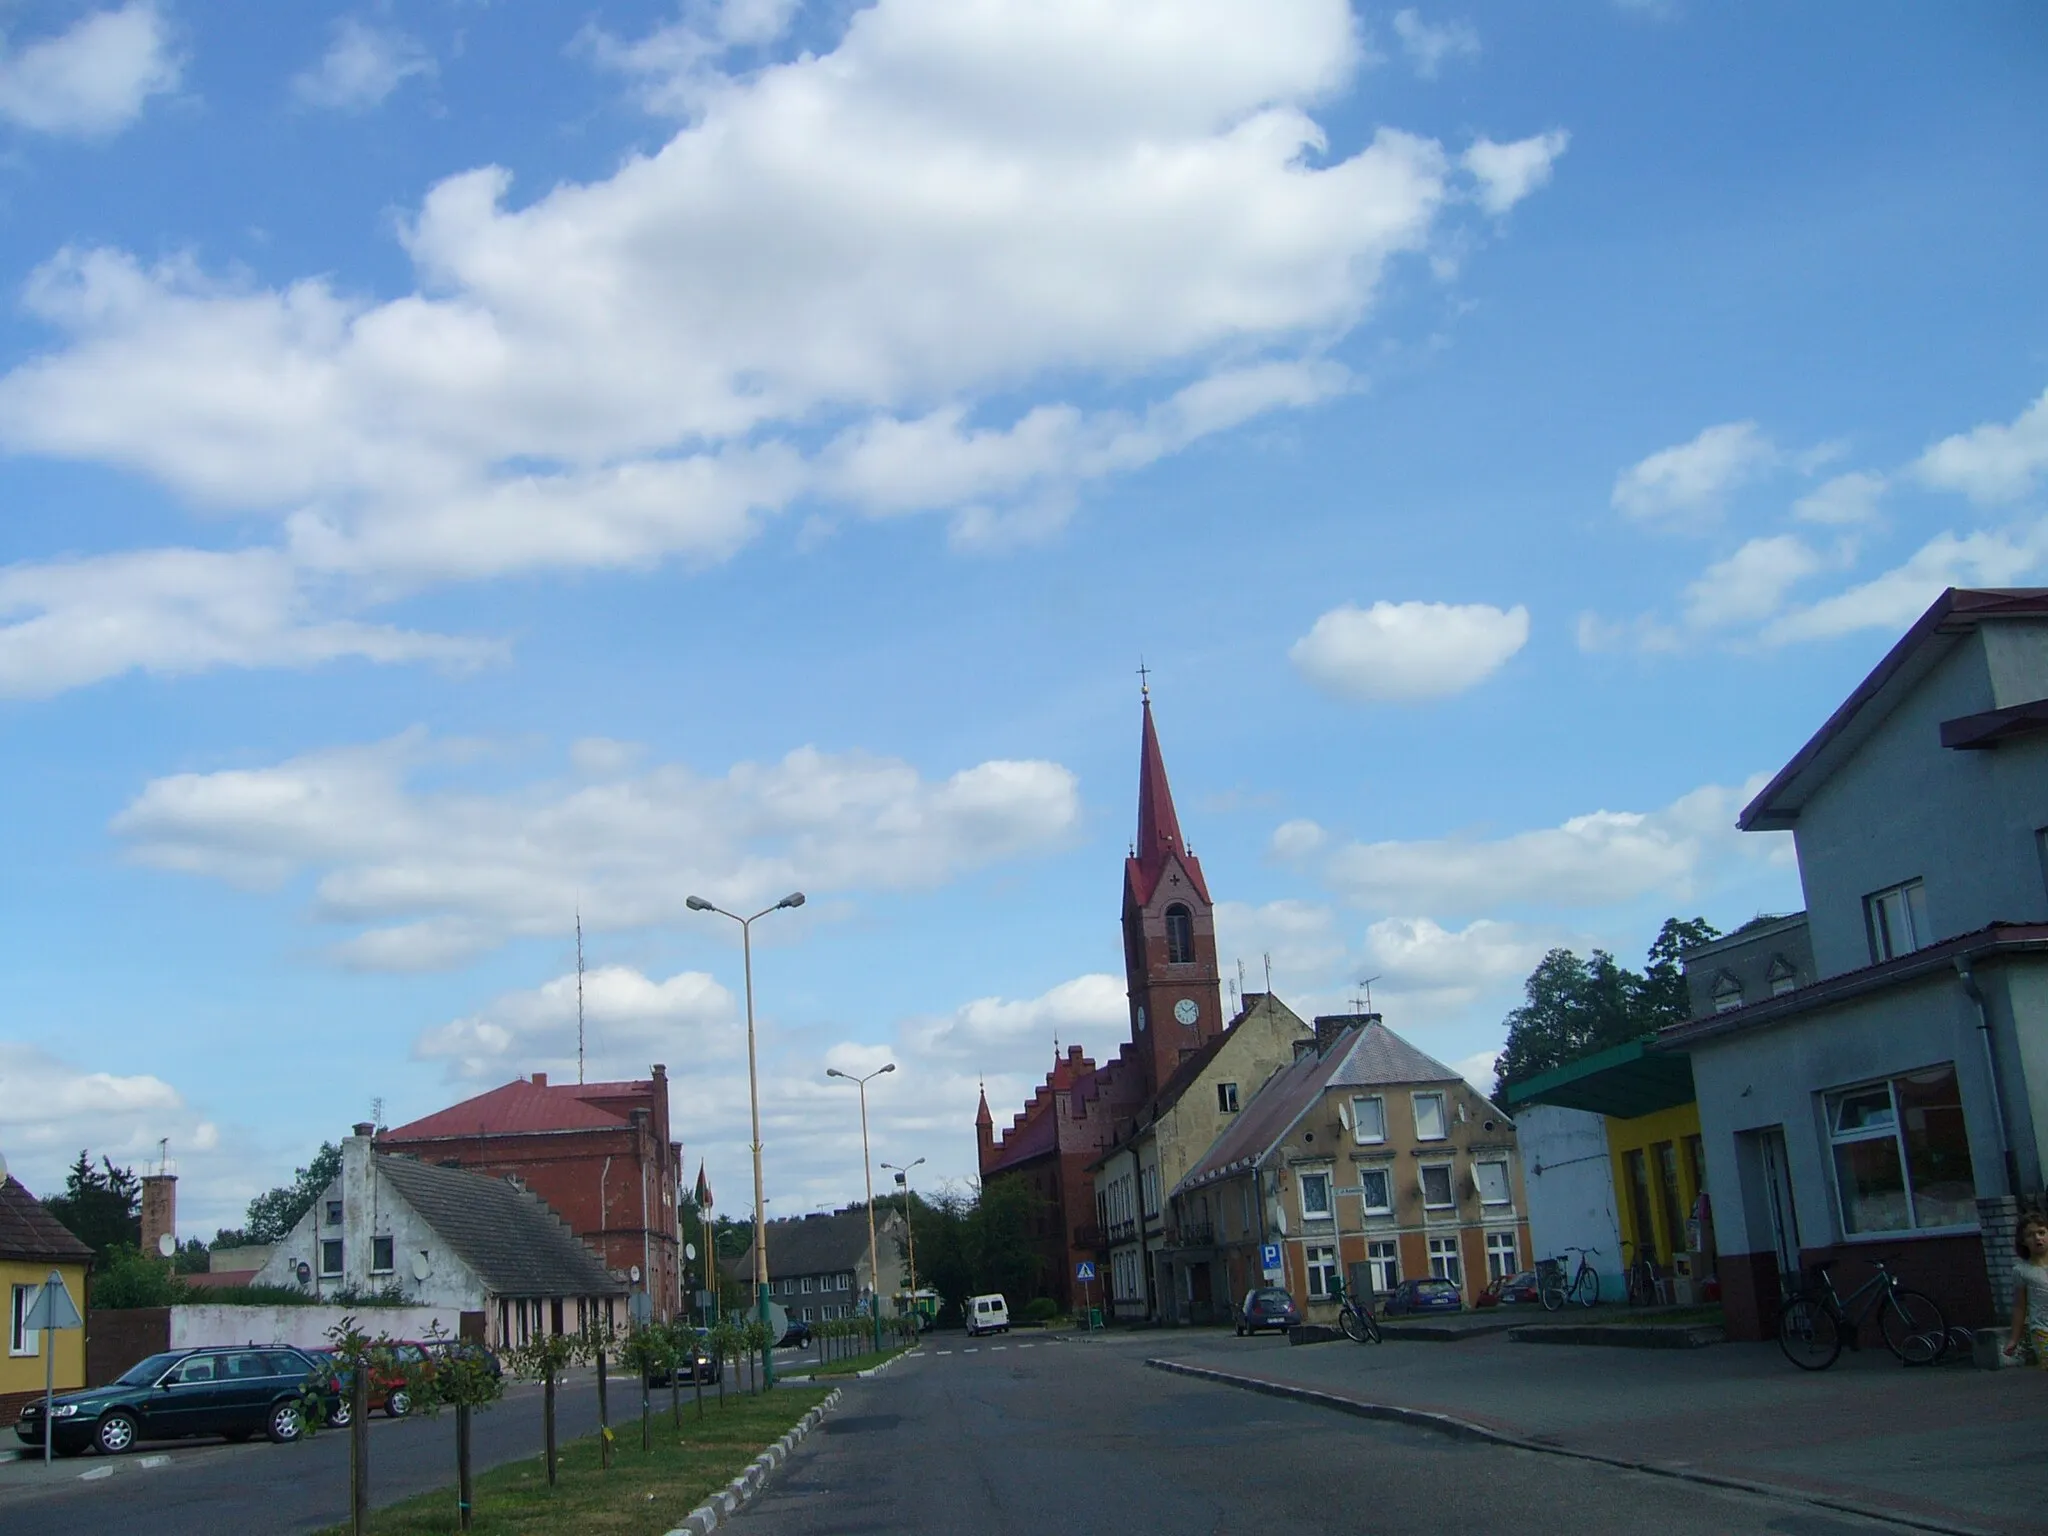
pixel 1510 1290
pixel 389 1390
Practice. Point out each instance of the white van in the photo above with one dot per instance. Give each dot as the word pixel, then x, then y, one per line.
pixel 987 1314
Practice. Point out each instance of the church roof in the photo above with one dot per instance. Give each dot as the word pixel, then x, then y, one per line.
pixel 1159 841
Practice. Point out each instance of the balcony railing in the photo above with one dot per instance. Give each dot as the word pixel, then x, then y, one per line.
pixel 1194 1234
pixel 1123 1231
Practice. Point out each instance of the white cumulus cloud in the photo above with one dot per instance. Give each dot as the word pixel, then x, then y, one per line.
pixel 1994 463
pixel 433 877
pixel 1751 584
pixel 1850 498
pixel 1408 651
pixel 1686 484
pixel 363 65
pixel 630 1020
pixel 94 78
pixel 1896 598
pixel 1507 173
pixel 1428 44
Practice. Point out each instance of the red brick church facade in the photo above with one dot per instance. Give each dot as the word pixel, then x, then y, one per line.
pixel 1176 1003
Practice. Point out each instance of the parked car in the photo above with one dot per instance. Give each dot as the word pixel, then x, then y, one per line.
pixel 1510 1290
pixel 467 1349
pixel 796 1335
pixel 987 1314
pixel 1267 1306
pixel 390 1389
pixel 1430 1295
pixel 233 1393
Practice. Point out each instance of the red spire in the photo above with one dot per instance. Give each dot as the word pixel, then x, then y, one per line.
pixel 982 1116
pixel 1158 824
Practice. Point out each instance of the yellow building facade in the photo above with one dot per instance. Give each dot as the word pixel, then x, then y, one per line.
pixel 33 1243
pixel 1659 1165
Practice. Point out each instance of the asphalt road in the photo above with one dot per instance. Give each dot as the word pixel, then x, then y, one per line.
pixel 1014 1437
pixel 207 1488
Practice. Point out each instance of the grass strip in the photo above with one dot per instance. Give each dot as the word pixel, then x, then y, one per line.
pixel 645 1493
pixel 857 1364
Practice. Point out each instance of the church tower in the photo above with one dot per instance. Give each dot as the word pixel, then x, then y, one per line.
pixel 1176 994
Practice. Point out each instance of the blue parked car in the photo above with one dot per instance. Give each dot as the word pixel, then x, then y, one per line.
pixel 1432 1295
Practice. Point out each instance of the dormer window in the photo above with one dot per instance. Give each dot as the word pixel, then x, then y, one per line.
pixel 1897 921
pixel 1727 993
pixel 1180 935
pixel 1782 976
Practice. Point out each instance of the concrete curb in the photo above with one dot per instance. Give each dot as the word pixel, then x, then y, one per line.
pixel 1465 1429
pixel 738 1493
pixel 875 1370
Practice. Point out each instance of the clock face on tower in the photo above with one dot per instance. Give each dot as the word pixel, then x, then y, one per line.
pixel 1186 1010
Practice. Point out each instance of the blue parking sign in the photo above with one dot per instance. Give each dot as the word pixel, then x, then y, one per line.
pixel 1269 1255
pixel 1084 1270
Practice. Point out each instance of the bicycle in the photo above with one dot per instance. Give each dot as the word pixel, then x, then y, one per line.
pixel 1585 1284
pixel 1640 1275
pixel 1814 1322
pixel 1358 1323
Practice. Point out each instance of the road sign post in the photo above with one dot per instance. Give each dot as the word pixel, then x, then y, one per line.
pixel 50 1311
pixel 1084 1271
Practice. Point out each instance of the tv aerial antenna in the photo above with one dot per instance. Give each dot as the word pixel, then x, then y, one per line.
pixel 579 997
pixel 1365 986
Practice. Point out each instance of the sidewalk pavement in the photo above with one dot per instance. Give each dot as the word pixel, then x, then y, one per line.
pixel 1948 1446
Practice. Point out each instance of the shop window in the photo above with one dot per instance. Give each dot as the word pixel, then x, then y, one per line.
pixel 1180 935
pixel 1369 1121
pixel 1436 1187
pixel 1322 1272
pixel 1444 1261
pixel 1430 1124
pixel 1378 1185
pixel 1664 1165
pixel 1315 1196
pixel 1501 1256
pixel 1897 920
pixel 1384 1255
pixel 1902 1154
pixel 1638 1171
pixel 1492 1178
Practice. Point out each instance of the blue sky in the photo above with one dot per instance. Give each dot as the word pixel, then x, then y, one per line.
pixel 466 463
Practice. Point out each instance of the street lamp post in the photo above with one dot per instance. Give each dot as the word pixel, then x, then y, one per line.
pixel 867 1173
pixel 910 1234
pixel 699 904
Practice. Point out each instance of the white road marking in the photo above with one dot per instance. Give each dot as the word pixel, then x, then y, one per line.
pixel 154 1461
pixel 945 1351
pixel 974 1351
pixel 997 1349
pixel 95 1474
pixel 1023 1346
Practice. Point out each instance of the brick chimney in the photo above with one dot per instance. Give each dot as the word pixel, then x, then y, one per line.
pixel 540 1079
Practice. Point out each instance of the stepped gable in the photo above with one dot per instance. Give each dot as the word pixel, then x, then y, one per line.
pixel 508 1237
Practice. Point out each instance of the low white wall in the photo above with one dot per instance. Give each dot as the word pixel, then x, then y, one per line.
pixel 306 1327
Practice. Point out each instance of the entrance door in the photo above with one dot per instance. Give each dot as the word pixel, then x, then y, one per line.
pixel 1778 1196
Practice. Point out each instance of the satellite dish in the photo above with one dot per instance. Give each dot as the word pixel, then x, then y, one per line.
pixel 305 1273
pixel 635 1273
pixel 689 1249
pixel 3 1168
pixel 166 1244
pixel 420 1267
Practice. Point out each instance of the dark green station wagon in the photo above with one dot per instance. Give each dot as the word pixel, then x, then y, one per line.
pixel 235 1393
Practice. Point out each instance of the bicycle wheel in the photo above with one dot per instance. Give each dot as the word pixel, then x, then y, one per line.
pixel 1809 1334
pixel 1913 1328
pixel 1586 1286
pixel 1353 1325
pixel 1553 1294
pixel 1372 1328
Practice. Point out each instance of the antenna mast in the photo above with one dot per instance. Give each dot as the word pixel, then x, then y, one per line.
pixel 579 997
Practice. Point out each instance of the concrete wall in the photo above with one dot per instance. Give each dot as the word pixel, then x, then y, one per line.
pixel 303 1327
pixel 1569 1175
pixel 1903 807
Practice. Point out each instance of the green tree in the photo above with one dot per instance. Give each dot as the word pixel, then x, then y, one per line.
pixel 1574 1008
pixel 274 1214
pixel 102 1207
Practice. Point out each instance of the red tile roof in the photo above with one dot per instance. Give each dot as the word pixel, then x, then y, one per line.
pixel 523 1107
pixel 1159 841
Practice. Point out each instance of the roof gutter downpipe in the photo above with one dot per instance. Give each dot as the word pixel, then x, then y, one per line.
pixel 2007 1163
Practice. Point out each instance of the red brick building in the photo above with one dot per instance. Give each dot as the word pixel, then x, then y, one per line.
pixel 599 1154
pixel 1176 1003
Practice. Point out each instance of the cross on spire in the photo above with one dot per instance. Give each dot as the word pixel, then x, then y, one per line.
pixel 1144 679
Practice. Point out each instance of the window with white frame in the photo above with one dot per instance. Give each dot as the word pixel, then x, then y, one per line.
pixel 22 1339
pixel 1378 1184
pixel 1782 976
pixel 1149 1187
pixel 1436 1187
pixel 1897 920
pixel 1226 1098
pixel 1315 1196
pixel 1245 1198
pixel 1102 1207
pixel 844 1283
pixel 1502 1259
pixel 1901 1154
pixel 1322 1271
pixel 1727 992
pixel 1369 1121
pixel 1444 1261
pixel 1430 1123
pixel 1384 1255
pixel 807 1284
pixel 1492 1178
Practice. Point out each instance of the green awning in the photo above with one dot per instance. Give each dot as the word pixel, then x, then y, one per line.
pixel 1624 1082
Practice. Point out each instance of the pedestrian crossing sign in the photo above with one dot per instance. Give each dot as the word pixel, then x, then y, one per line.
pixel 1084 1270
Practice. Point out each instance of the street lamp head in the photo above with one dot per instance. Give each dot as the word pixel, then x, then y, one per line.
pixel 834 1072
pixel 698 904
pixel 793 899
pixel 891 1067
